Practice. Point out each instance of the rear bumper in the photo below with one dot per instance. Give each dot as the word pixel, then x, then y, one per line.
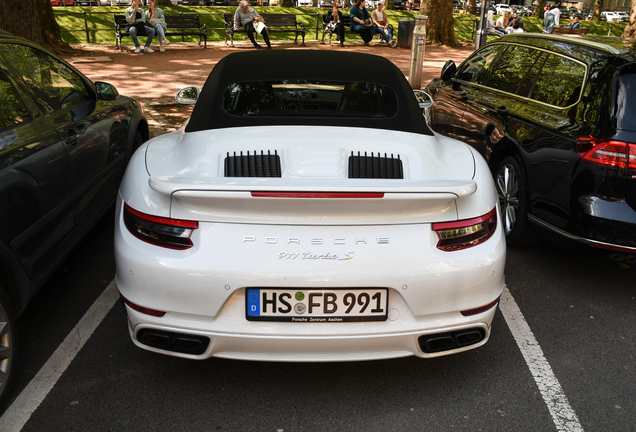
pixel 603 234
pixel 369 343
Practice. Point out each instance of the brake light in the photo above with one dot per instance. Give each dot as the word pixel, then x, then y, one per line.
pixel 466 233
pixel 317 195
pixel 611 153
pixel 159 231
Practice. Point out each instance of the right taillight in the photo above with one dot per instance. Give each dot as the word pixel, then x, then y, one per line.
pixel 465 233
pixel 606 152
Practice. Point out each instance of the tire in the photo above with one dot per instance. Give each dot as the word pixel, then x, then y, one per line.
pixel 513 203
pixel 8 347
pixel 138 141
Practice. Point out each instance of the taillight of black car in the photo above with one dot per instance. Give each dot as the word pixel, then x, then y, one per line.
pixel 607 152
pixel 159 231
pixel 465 233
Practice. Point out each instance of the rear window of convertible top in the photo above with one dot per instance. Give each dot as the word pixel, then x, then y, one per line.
pixel 304 98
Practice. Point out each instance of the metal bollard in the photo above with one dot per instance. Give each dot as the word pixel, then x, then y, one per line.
pixel 417 51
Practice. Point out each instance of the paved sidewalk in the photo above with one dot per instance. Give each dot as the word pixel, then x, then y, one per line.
pixel 155 78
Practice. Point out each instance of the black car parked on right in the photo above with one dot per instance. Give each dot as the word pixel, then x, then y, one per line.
pixel 555 117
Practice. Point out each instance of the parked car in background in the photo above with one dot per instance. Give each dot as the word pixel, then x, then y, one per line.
pixel 62 2
pixel 501 8
pixel 610 16
pixel 623 16
pixel 521 10
pixel 305 3
pixel 555 117
pixel 64 146
pixel 251 233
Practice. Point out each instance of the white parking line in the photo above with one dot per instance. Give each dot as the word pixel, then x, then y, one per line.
pixel 16 416
pixel 563 415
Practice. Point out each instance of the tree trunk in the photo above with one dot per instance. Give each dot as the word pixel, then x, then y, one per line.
pixel 164 3
pixel 33 20
pixel 439 27
pixel 598 8
pixel 389 4
pixel 630 30
pixel 539 9
pixel 471 7
pixel 286 3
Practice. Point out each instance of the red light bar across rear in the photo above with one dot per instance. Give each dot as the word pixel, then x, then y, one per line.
pixel 317 195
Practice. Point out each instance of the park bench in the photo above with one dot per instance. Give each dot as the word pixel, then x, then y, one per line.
pixel 346 19
pixel 568 30
pixel 276 23
pixel 178 25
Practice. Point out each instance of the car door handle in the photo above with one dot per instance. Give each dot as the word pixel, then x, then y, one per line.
pixel 72 137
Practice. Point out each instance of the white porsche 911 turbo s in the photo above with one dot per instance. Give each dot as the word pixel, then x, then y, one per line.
pixel 306 212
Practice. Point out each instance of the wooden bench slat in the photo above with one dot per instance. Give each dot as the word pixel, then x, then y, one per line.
pixel 346 20
pixel 178 25
pixel 276 23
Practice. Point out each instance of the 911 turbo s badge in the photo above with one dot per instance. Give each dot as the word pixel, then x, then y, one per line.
pixel 313 256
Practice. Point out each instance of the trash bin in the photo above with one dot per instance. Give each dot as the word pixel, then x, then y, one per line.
pixel 405 32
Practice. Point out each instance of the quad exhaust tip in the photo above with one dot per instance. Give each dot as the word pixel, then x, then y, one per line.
pixel 177 342
pixel 439 342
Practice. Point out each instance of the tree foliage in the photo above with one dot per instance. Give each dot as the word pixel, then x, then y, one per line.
pixel 630 30
pixel 439 27
pixel 33 20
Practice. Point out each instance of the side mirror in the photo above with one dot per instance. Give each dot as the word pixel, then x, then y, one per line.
pixel 424 99
pixel 188 95
pixel 106 91
pixel 448 71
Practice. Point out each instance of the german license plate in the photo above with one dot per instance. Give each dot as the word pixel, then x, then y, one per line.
pixel 309 305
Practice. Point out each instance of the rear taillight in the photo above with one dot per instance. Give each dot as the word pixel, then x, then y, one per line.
pixel 465 233
pixel 159 231
pixel 605 152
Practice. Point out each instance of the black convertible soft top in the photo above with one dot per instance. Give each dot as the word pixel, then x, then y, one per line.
pixel 266 65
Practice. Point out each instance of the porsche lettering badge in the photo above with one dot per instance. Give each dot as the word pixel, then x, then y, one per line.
pixel 315 241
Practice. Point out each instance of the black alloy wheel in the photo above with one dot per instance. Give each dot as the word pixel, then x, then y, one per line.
pixel 513 203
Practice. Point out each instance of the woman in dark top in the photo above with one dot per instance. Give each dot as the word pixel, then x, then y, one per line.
pixel 335 23
pixel 361 22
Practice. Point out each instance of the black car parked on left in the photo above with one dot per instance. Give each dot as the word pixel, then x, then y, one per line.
pixel 64 146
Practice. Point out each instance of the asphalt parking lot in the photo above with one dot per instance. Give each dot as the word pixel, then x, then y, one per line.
pixel 561 355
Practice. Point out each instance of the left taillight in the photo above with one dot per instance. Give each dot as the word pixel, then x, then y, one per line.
pixel 465 233
pixel 159 231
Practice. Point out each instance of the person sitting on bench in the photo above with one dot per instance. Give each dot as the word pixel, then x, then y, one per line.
pixel 244 16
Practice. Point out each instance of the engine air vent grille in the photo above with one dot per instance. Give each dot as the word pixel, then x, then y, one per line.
pixel 252 165
pixel 375 166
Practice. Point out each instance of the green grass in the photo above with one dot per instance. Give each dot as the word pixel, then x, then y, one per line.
pixel 102 18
